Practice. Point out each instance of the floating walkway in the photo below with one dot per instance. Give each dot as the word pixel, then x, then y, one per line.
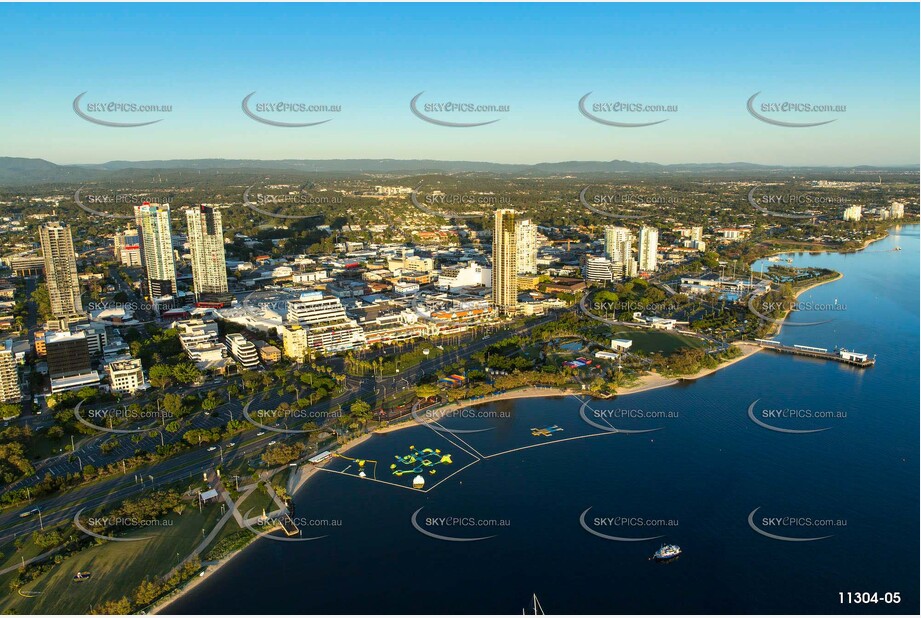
pixel 855 359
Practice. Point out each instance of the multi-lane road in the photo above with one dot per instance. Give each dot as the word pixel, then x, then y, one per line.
pixel 188 465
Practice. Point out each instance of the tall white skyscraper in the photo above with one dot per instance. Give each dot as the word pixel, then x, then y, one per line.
pixel 157 245
pixel 526 239
pixel 649 245
pixel 61 270
pixel 505 262
pixel 206 244
pixel 618 246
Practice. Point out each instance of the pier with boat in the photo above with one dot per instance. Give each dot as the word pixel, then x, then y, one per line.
pixel 856 359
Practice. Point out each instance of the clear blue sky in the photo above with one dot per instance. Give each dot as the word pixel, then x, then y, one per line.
pixel 539 59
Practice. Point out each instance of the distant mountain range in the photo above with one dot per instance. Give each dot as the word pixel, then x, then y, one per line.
pixel 17 171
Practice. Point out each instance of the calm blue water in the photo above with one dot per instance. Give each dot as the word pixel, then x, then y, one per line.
pixel 706 470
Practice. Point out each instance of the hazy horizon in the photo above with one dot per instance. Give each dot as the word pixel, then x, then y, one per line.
pixel 486 161
pixel 699 66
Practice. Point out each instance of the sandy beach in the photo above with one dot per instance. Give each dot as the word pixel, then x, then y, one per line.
pixel 648 382
pixel 748 350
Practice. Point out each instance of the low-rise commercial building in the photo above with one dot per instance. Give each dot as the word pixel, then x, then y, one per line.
pixel 267 352
pixel 462 276
pixel 126 375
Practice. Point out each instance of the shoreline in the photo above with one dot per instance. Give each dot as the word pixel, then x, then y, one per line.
pixel 748 350
pixel 650 381
pixel 207 571
pixel 776 328
pixel 647 382
pixel 866 243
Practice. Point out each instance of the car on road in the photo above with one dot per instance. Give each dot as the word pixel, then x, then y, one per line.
pixel 29 513
pixel 273 442
pixel 261 433
pixel 212 448
pixel 231 444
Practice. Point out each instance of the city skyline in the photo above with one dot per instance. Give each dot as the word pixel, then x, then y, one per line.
pixel 291 288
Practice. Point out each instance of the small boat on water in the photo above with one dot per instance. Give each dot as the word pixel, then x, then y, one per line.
pixel 667 552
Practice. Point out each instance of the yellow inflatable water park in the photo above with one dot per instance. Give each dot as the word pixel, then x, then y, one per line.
pixel 419 460
pixel 545 432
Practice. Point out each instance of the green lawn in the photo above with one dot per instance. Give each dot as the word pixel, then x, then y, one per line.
pixel 400 398
pixel 12 556
pixel 647 341
pixel 117 567
pixel 229 528
pixel 257 501
pixel 41 446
